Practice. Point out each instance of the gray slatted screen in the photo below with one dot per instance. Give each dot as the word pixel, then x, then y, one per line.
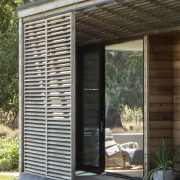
pixel 35 97
pixel 47 97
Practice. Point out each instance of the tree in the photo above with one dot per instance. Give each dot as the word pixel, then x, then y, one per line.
pixel 124 80
pixel 9 57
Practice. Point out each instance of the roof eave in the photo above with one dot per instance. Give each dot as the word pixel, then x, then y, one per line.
pixel 44 5
pixel 32 4
pixel 41 6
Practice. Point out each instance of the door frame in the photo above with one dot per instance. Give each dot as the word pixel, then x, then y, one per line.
pixel 146 99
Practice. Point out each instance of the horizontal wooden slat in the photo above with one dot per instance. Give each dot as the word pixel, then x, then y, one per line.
pixel 161 125
pixel 161 133
pixel 157 90
pixel 161 65
pixel 161 73
pixel 177 107
pixel 161 82
pixel 155 142
pixel 37 170
pixel 161 116
pixel 160 99
pixel 158 56
pixel 161 48
pixel 161 107
pixel 176 99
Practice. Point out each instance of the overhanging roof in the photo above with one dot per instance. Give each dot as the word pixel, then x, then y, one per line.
pixel 123 19
pixel 113 20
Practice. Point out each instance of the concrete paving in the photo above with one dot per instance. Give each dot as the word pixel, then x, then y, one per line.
pixel 105 176
pixel 98 177
pixel 83 177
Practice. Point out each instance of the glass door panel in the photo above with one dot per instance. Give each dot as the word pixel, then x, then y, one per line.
pixel 90 109
pixel 91 116
pixel 124 106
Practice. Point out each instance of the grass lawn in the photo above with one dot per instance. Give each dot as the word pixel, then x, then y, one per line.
pixel 4 177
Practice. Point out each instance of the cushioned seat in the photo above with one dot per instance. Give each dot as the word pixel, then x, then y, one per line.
pixel 112 149
pixel 129 153
pixel 133 156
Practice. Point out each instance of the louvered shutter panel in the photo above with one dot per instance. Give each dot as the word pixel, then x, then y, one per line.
pixel 59 97
pixel 48 97
pixel 35 98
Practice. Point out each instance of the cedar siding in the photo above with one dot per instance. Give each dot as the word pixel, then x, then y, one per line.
pixel 176 83
pixel 160 89
pixel 164 89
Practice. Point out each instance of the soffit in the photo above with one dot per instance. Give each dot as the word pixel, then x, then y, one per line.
pixel 123 19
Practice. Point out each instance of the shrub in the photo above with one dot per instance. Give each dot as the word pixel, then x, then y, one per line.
pixel 130 115
pixel 5 165
pixel 9 153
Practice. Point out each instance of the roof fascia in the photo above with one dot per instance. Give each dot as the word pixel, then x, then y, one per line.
pixel 47 5
pixel 35 3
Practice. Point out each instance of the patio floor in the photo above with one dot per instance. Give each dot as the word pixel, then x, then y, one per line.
pixel 111 174
pixel 98 177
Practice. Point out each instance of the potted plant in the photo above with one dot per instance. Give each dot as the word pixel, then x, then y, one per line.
pixel 163 158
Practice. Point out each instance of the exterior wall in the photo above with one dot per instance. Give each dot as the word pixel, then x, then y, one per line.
pixel 160 89
pixel 164 89
pixel 176 66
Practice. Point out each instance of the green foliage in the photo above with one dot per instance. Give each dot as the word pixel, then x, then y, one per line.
pixel 7 9
pixel 9 54
pixel 124 78
pixel 163 158
pixel 5 165
pixel 9 154
pixel 124 81
pixel 4 177
pixel 129 115
pixel 9 73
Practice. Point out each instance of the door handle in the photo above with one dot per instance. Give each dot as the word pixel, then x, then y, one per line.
pixel 102 121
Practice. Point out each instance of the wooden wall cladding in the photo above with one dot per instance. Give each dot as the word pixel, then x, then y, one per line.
pixel 176 83
pixel 160 89
pixel 164 89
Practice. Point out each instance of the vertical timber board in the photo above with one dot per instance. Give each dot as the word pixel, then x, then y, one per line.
pixel 21 91
pixel 49 80
pixel 146 101
pixel 73 96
